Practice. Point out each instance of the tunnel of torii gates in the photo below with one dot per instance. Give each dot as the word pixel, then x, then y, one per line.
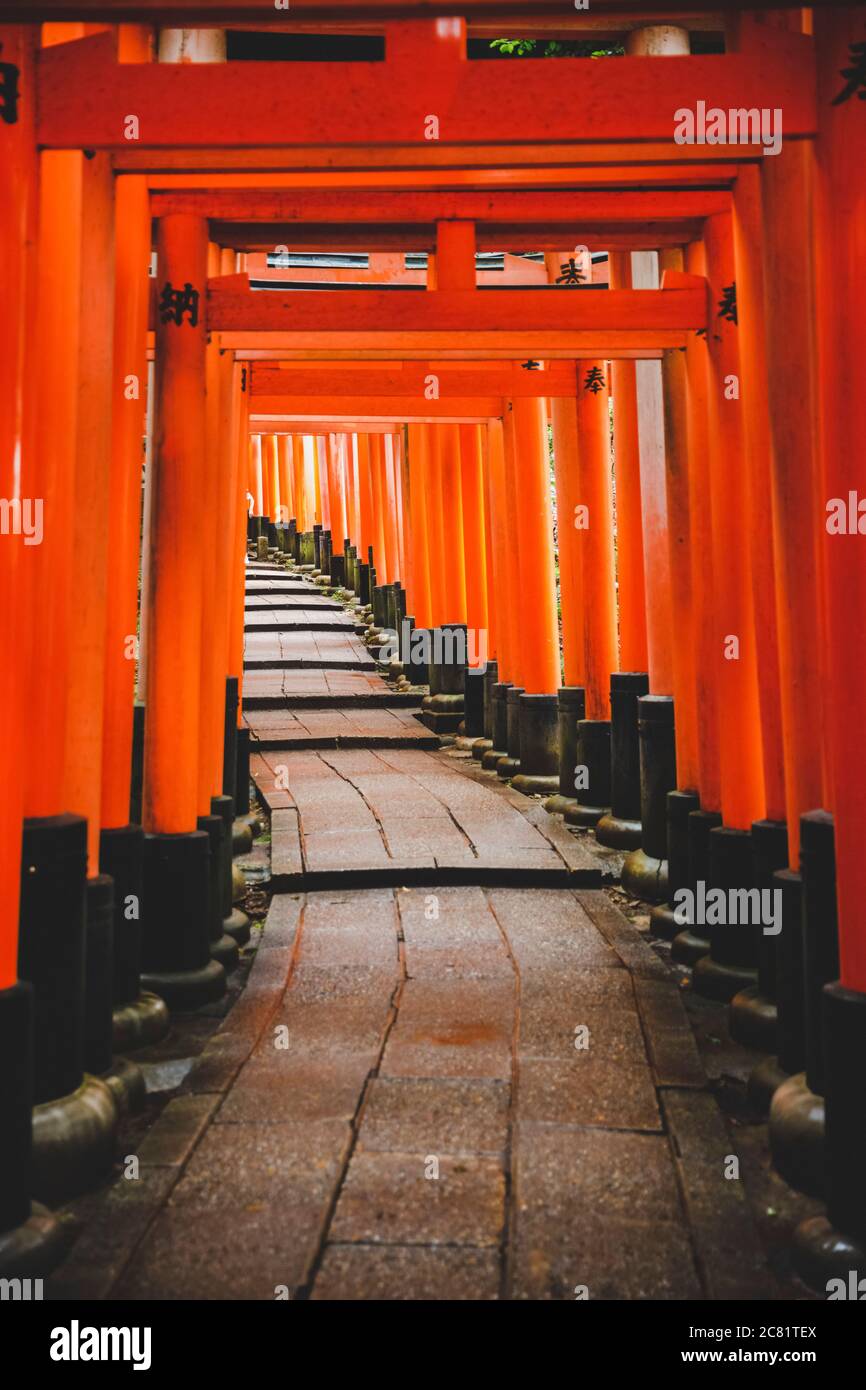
pixel 690 345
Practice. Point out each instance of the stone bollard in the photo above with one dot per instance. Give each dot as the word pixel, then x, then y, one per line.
pixel 76 1115
pixel 680 805
pixel 442 709
pixel 620 827
pixel 499 726
pixel 472 728
pixel 797 1107
pixel 691 942
pixel 731 963
pixel 592 779
pixel 752 1017
pixel 139 1018
pixel 539 745
pixel 481 745
pixel 571 707
pixel 645 871
pixel 510 764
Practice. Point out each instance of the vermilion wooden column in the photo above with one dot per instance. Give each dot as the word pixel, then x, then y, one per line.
pixel 796 502
pixel 298 481
pixel 474 540
pixel 598 581
pixel 380 502
pixel 418 507
pixel 258 476
pixel 336 494
pixel 287 497
pixel 502 559
pixel 733 615
pixel 539 631
pixel 563 414
pixel 237 580
pixel 350 452
pixel 657 583
pixel 132 253
pixel 756 432
pixel 511 552
pixel 365 494
pixel 56 349
pixel 322 482
pixel 437 555
pixel 271 468
pixel 18 225
pixel 629 518
pixel 211 520
pixel 175 923
pixel 836 1245
pixel 171 746
pixel 700 522
pixel 677 463
pixel 317 464
pixel 398 450
pixel 389 499
pixel 454 572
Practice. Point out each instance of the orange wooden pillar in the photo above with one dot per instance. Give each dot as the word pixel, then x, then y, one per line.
pixel 629 517
pixel 132 252
pixel 598 582
pixel 174 918
pixel 287 498
pixel 675 405
pixel 538 630
pixel 419 598
pixel 474 538
pixel 298 480
pixel 350 464
pixel 795 496
pixel 701 569
pixel 271 470
pixel 569 517
pixel 437 555
pixel 650 419
pixel 391 504
pixel 258 475
pixel 493 614
pixel 453 561
pixel 837 1244
pixel 336 494
pixel 756 432
pixel 29 1236
pixel 377 480
pixel 365 494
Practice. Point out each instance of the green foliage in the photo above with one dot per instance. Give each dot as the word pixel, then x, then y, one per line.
pixel 553 48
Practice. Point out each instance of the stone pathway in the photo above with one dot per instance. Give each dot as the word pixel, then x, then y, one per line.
pixel 456 1070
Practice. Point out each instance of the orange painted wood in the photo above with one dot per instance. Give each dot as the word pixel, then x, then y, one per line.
pixel 454 564
pixel 84 95
pixel 271 460
pixel 287 492
pixel 595 541
pixel 840 203
pixel 677 464
pixel 797 504
pixel 299 482
pixel 700 517
pixel 336 495
pixel 18 224
pixel 756 431
pixel 438 552
pixel 390 504
pixel 365 493
pixel 237 577
pixel 267 409
pixel 493 604
pixel 233 307
pixel 419 598
pixel 741 752
pixel 500 443
pixel 474 539
pixel 213 524
pixel 402 381
pixel 563 416
pixel 465 347
pixel 132 252
pixel 174 640
pixel 539 629
pixel 54 426
pixel 317 479
pixel 564 214
pixel 629 514
pixel 380 502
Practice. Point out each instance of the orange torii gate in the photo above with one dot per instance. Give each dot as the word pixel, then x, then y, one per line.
pixel 780 73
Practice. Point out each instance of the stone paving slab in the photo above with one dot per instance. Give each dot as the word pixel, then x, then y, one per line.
pixel 292 620
pixel 401 815
pixel 292 602
pixel 305 649
pixel 275 729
